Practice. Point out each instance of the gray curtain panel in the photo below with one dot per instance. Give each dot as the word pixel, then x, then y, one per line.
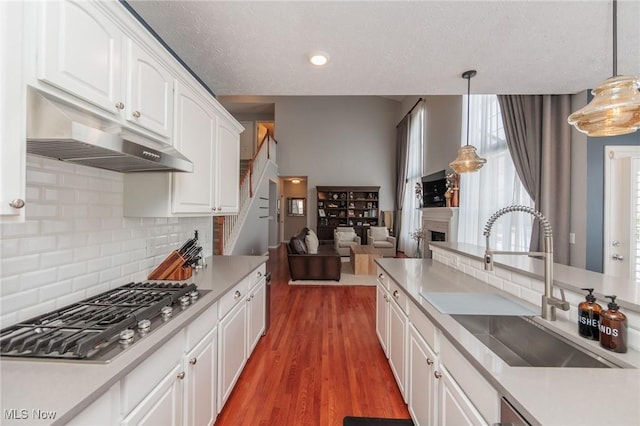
pixel 402 147
pixel 539 140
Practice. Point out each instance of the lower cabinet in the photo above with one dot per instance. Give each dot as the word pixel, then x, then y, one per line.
pixel 421 380
pixel 233 350
pixel 382 317
pixel 163 405
pixel 397 345
pixel 256 306
pixel 454 408
pixel 201 382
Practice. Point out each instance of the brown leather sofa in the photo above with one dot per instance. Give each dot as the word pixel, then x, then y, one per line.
pixel 325 265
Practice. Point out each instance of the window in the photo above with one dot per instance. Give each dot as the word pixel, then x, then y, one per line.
pixel 410 214
pixel 494 186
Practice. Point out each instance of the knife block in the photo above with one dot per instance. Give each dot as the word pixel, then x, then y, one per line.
pixel 171 269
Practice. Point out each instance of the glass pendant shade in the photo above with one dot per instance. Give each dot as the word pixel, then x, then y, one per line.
pixel 467 160
pixel 614 109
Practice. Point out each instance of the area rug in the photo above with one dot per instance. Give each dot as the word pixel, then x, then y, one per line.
pixel 347 277
pixel 374 421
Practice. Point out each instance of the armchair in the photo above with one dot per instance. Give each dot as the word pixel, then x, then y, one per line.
pixel 379 238
pixel 343 238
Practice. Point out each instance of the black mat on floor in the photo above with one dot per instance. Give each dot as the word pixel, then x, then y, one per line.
pixel 374 421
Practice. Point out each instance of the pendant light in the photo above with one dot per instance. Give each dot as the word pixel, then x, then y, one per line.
pixel 615 107
pixel 467 160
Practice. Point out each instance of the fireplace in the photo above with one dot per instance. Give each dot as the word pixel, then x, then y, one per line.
pixel 440 224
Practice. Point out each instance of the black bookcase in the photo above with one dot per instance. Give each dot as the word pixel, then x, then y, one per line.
pixel 356 206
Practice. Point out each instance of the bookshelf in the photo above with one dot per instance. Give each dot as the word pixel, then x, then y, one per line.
pixel 356 206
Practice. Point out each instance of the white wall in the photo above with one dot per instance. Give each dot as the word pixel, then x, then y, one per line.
pixel 75 241
pixel 338 140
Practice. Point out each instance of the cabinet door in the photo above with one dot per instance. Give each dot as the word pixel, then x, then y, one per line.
pixel 382 318
pixel 227 189
pixel 163 405
pixel 454 408
pixel 80 51
pixel 257 301
pixel 397 345
pixel 200 382
pixel 150 92
pixel 12 123
pixel 232 344
pixel 195 138
pixel 421 382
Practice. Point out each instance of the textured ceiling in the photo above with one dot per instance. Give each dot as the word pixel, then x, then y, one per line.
pixel 398 47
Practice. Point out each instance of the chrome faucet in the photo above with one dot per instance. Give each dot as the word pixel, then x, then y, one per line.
pixel 549 302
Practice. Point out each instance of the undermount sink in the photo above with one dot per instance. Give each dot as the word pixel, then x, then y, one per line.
pixel 521 342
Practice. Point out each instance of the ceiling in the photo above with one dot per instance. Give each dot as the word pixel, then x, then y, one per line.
pixel 397 48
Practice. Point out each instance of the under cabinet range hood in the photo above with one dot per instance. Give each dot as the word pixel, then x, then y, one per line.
pixel 58 130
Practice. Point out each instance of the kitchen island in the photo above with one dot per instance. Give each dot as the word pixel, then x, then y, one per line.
pixel 544 396
pixel 39 392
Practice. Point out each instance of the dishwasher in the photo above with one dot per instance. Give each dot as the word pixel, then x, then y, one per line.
pixel 509 416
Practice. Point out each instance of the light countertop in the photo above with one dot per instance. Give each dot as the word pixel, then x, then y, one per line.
pixel 545 396
pixel 67 387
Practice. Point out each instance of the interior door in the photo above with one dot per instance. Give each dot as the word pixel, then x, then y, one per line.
pixel 622 212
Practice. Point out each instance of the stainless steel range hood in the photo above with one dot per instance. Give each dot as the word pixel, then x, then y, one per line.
pixel 60 131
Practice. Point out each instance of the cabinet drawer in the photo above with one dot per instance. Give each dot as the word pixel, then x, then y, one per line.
pixel 383 278
pixel 257 274
pixel 202 325
pixel 399 296
pixel 425 327
pixel 480 392
pixel 233 297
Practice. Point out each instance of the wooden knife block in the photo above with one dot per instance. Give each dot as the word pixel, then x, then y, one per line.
pixel 171 269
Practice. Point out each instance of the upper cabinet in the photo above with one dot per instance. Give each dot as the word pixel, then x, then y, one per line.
pixel 227 161
pixel 80 51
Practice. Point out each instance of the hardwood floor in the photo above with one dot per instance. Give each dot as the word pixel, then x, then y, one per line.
pixel 320 360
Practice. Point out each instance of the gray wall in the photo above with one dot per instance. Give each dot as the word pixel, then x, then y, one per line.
pixel 338 140
pixel 578 251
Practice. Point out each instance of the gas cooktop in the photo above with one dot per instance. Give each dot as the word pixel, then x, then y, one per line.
pixel 101 327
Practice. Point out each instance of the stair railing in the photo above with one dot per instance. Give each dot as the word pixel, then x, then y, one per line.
pixel 228 225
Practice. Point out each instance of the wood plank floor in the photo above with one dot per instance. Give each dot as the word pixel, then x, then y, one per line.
pixel 320 360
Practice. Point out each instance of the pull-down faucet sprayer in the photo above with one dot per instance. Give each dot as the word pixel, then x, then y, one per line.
pixel 549 302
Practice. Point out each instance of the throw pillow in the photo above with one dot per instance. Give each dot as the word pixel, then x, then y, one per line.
pixel 312 242
pixel 379 233
pixel 298 246
pixel 346 236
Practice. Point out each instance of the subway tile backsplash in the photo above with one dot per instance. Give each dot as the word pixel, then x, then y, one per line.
pixel 527 288
pixel 75 241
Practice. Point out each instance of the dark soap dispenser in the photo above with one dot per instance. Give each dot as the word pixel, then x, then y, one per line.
pixel 613 328
pixel 589 317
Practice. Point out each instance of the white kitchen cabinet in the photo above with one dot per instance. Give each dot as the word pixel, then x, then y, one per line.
pixel 256 313
pixel 200 382
pixel 232 341
pixel 149 91
pixel 12 124
pixel 195 137
pixel 104 411
pixel 454 408
pixel 163 405
pixel 397 345
pixel 421 381
pixel 382 317
pixel 227 168
pixel 80 52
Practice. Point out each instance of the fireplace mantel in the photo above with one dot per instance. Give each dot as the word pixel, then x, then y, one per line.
pixel 442 220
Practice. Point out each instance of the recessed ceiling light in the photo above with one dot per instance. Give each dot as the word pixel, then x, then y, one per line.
pixel 295 180
pixel 319 59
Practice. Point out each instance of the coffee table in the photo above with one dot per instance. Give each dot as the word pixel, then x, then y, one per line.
pixel 362 259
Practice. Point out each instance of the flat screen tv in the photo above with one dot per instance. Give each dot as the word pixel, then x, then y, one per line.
pixel 433 188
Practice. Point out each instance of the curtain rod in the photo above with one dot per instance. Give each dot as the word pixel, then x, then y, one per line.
pixel 411 110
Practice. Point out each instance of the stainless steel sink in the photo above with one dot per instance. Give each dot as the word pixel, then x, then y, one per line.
pixel 521 342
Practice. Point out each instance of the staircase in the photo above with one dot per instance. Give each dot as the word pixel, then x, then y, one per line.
pixel 227 228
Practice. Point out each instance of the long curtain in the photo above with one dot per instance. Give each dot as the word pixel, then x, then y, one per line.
pixel 539 139
pixel 402 143
pixel 410 218
pixel 494 186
